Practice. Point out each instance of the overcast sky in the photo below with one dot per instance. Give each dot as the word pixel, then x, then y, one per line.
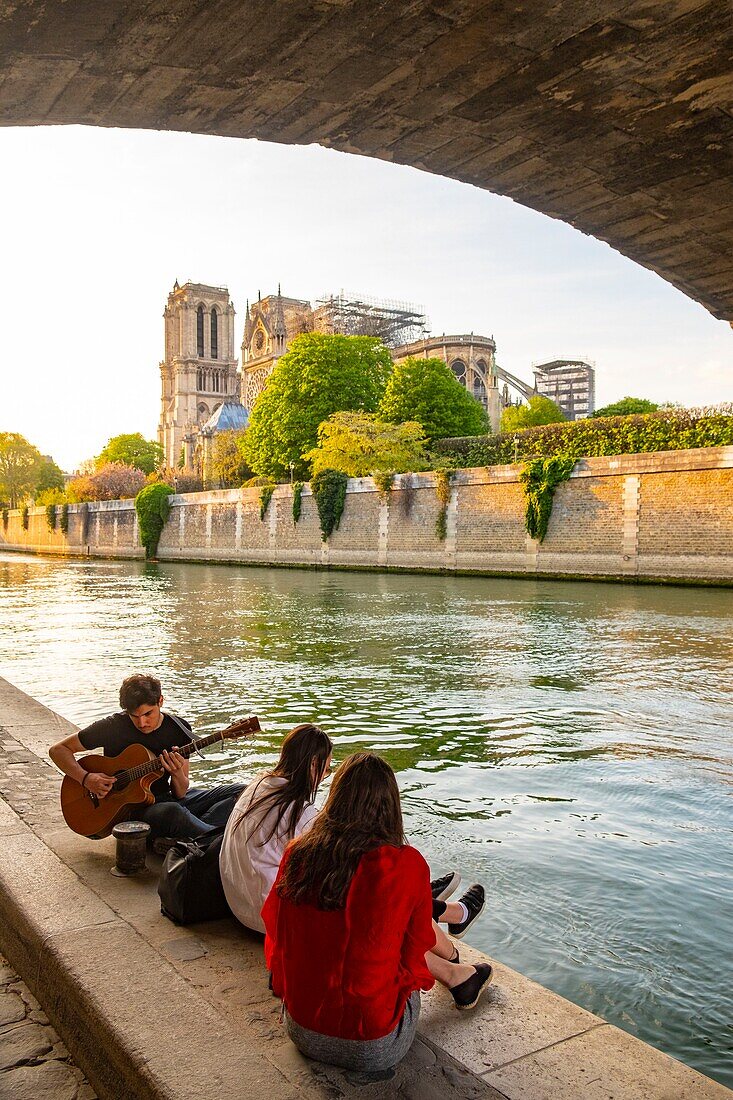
pixel 97 225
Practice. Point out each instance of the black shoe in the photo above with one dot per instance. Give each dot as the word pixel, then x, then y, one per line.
pixel 442 888
pixel 466 995
pixel 474 899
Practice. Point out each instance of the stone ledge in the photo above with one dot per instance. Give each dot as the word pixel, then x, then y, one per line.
pixel 116 977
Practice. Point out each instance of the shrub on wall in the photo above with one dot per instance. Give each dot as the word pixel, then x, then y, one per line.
pixel 266 492
pixel 540 478
pixel 6 517
pixel 64 519
pixel 51 516
pixel 666 430
pixel 329 490
pixel 24 517
pixel 383 482
pixel 443 478
pixel 152 505
pixel 297 500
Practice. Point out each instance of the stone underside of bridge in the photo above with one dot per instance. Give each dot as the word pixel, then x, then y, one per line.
pixel 613 115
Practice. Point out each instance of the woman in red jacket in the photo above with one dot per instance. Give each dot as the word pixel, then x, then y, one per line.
pixel 350 939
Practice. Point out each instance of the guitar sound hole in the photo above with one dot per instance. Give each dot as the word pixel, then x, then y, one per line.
pixel 121 781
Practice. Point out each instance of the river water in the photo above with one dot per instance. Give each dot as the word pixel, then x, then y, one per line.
pixel 566 744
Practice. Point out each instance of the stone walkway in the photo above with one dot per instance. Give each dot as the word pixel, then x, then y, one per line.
pixel 34 1063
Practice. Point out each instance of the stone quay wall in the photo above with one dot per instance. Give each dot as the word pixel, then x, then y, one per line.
pixel 661 516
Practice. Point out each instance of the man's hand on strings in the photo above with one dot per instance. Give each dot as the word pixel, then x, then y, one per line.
pixel 173 762
pixel 99 784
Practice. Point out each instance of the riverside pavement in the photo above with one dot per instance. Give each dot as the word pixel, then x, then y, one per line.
pixel 149 1010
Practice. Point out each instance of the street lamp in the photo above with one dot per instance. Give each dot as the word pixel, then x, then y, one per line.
pixel 292 467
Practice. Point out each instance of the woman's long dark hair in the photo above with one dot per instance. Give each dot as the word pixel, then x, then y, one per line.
pixel 302 762
pixel 362 812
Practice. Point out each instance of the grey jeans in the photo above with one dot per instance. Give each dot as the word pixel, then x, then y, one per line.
pixel 368 1055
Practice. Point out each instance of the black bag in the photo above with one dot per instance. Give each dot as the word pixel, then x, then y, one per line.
pixel 190 888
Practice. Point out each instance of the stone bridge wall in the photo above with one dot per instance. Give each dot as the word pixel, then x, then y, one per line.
pixel 667 515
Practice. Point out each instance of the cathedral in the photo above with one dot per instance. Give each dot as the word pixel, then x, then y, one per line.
pixel 203 392
pixel 199 376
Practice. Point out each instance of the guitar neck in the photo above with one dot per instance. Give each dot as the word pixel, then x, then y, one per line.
pixel 156 763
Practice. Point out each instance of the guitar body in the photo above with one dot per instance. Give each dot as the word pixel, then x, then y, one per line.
pixel 96 817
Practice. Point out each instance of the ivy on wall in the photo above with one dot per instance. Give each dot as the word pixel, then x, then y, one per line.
pixel 329 490
pixel 51 516
pixel 24 517
pixel 443 480
pixel 297 500
pixel 383 481
pixel 266 492
pixel 64 519
pixel 153 506
pixel 540 478
pixel 6 517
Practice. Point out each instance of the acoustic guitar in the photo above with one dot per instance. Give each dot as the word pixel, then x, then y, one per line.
pixel 134 770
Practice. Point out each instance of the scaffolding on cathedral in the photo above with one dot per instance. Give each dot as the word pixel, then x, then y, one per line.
pixel 394 323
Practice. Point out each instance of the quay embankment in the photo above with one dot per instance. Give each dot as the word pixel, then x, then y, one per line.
pixel 659 517
pixel 150 1010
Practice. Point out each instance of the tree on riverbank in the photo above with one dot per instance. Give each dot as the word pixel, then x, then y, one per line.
pixel 358 444
pixel 114 481
pixel 319 375
pixel 627 406
pixel 427 391
pixel 227 466
pixel 540 410
pixel 20 467
pixel 131 450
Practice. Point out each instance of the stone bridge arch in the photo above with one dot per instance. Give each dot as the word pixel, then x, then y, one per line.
pixel 615 116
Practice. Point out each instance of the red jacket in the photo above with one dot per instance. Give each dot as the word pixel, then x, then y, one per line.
pixel 348 972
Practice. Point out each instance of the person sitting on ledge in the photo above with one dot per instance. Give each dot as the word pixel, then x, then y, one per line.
pixel 350 939
pixel 273 810
pixel 179 810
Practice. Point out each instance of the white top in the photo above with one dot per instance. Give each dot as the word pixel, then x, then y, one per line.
pixel 248 866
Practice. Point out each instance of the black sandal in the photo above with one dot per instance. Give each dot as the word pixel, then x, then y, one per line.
pixel 466 995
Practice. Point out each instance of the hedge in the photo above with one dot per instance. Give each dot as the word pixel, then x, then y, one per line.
pixel 666 430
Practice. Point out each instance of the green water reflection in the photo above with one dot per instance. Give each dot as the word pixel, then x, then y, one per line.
pixel 569 745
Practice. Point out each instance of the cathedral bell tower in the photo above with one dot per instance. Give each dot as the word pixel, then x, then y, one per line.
pixel 199 371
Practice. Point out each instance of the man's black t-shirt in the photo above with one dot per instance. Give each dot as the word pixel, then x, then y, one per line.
pixel 116 733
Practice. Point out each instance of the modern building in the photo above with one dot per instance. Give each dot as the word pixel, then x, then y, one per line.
pixel 570 383
pixel 199 372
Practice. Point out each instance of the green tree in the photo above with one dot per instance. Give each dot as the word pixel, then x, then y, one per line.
pixel 627 406
pixel 427 391
pixel 227 464
pixel 131 450
pixel 20 467
pixel 49 477
pixel 540 410
pixel 357 443
pixel 319 375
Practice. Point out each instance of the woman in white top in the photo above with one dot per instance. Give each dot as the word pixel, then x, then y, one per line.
pixel 269 813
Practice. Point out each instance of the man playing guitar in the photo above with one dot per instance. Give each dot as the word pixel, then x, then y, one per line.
pixel 179 810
